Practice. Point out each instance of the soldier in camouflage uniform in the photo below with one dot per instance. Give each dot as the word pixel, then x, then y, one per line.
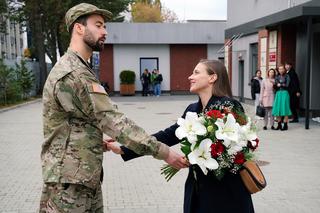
pixel 76 113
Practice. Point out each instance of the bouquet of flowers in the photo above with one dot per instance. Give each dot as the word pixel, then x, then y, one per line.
pixel 219 140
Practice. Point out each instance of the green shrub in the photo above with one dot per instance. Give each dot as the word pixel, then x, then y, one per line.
pixel 15 84
pixel 10 90
pixel 127 77
pixel 25 78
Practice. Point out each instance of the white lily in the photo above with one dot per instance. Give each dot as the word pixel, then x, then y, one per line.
pixel 190 127
pixel 202 156
pixel 235 147
pixel 228 131
pixel 248 133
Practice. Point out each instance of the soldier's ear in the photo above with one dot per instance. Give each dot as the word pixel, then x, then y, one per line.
pixel 79 28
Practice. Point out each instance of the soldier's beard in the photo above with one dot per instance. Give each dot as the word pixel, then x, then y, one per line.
pixel 94 45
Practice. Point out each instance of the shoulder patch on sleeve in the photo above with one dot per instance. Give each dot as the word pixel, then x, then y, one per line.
pixel 97 88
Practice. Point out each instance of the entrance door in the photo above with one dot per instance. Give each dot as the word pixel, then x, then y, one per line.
pixel 315 73
pixel 148 63
pixel 241 80
pixel 253 60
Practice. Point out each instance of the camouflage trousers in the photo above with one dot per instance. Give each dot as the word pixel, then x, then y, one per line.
pixel 70 198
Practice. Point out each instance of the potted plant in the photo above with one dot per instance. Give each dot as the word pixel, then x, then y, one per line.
pixel 127 82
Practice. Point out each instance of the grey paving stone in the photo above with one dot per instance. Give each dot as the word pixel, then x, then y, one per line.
pixel 136 186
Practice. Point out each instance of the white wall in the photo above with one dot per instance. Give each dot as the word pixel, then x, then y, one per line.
pixel 211 32
pixel 212 51
pixel 242 46
pixel 243 11
pixel 127 56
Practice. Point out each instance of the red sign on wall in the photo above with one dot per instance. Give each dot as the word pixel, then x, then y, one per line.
pixel 272 57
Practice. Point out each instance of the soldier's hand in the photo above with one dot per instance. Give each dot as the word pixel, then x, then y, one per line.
pixel 111 146
pixel 176 160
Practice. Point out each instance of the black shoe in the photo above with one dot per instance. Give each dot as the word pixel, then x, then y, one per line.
pixel 265 128
pixel 294 121
pixel 272 127
pixel 279 126
pixel 285 127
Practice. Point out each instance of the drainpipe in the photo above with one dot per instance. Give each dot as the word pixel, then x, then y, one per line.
pixel 308 71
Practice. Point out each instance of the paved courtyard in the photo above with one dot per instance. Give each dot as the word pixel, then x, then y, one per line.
pixel 292 163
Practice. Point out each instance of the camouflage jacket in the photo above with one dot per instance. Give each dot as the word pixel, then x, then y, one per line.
pixel 76 113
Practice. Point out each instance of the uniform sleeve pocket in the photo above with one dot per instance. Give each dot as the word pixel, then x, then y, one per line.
pixel 99 98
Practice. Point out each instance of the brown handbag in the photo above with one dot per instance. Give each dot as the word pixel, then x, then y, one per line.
pixel 252 177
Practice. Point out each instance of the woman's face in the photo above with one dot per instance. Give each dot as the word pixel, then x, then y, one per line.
pixel 258 74
pixel 271 74
pixel 200 80
pixel 282 70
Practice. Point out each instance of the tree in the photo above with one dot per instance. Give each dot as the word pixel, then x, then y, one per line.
pixel 25 78
pixel 45 19
pixel 151 11
pixel 9 87
pixel 3 12
pixel 146 11
pixel 168 15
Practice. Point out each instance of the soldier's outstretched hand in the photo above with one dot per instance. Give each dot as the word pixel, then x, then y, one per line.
pixel 110 145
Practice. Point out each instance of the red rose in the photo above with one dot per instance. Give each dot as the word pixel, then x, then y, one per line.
pixel 239 158
pixel 250 145
pixel 216 149
pixel 214 114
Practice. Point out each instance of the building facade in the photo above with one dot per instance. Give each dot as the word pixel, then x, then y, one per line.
pixel 173 48
pixel 12 40
pixel 265 34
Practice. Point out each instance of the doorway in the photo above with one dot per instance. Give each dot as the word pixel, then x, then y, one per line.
pixel 241 80
pixel 253 60
pixel 148 63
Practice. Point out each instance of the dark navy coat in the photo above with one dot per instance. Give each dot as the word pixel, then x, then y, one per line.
pixel 206 194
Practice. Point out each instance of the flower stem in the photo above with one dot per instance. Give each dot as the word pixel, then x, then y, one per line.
pixel 168 171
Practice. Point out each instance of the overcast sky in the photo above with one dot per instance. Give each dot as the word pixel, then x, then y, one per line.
pixel 198 9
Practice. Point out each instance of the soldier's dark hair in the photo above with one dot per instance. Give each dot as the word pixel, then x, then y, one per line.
pixel 221 86
pixel 81 20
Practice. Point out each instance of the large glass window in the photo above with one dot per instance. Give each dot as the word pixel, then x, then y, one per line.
pixel 148 63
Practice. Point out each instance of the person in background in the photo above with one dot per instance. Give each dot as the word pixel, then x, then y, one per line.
pixel 157 84
pixel 153 76
pixel 294 91
pixel 145 80
pixel 267 97
pixel 255 88
pixel 281 105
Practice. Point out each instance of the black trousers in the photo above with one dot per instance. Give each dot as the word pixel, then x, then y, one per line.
pixel 294 105
pixel 145 89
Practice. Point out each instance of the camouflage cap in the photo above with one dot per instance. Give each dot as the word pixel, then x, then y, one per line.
pixel 84 9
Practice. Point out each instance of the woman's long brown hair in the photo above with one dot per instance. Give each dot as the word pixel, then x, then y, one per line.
pixel 221 87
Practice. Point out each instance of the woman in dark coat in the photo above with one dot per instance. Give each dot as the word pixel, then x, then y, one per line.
pixel 205 193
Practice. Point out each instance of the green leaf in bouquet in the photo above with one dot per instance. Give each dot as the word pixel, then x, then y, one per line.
pixel 168 171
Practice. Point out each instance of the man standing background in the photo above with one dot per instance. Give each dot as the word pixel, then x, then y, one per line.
pixel 294 92
pixel 76 113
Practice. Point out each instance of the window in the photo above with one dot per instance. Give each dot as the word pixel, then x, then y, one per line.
pixel 2 37
pixel 148 63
